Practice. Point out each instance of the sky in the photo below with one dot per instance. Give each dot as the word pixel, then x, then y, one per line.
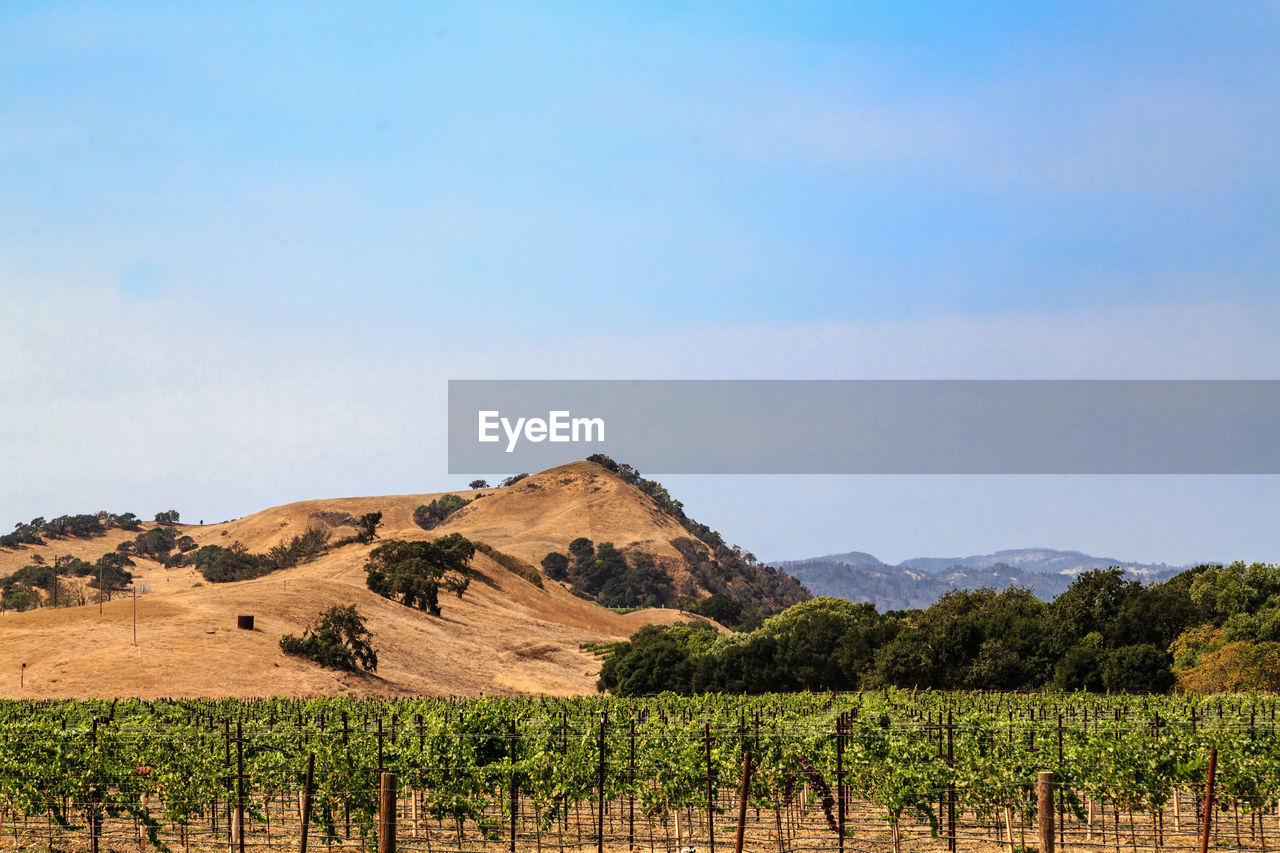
pixel 244 246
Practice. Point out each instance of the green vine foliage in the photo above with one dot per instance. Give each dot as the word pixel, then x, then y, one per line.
pixel 167 762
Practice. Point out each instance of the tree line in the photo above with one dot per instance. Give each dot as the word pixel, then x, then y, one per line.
pixel 1208 628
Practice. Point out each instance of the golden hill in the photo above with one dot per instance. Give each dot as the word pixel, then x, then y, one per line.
pixel 506 635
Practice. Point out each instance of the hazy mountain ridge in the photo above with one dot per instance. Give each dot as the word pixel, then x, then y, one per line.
pixel 918 582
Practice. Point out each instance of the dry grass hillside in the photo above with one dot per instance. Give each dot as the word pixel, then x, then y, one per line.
pixel 506 635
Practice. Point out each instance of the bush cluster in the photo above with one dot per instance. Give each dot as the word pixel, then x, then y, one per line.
pixel 338 639
pixel 34 585
pixel 429 516
pixel 81 526
pixel 226 565
pixel 301 549
pixel 604 574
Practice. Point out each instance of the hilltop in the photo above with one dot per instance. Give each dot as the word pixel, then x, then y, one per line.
pixel 514 631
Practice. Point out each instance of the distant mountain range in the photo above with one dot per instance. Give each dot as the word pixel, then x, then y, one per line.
pixel 918 582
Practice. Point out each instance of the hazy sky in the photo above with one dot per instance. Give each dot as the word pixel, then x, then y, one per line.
pixel 244 246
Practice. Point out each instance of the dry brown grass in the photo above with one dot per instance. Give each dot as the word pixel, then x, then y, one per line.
pixel 504 636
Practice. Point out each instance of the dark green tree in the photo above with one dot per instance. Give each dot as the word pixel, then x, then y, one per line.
pixel 1137 669
pixel 111 570
pixel 413 572
pixel 656 659
pixel 1091 603
pixel 1081 667
pixel 156 543
pixel 368 524
pixel 556 566
pixel 722 607
pixel 582 551
pixel 603 461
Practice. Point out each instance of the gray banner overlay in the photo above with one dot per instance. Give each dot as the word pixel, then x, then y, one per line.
pixel 869 426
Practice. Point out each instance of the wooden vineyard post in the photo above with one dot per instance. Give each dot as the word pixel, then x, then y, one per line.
pixel 840 723
pixel 387 812
pixel 515 790
pixel 711 812
pixel 226 764
pixel 346 805
pixel 951 786
pixel 742 802
pixel 1044 810
pixel 1062 810
pixel 600 783
pixel 1208 800
pixel 381 763
pixel 238 826
pixel 93 799
pixel 631 788
pixel 306 801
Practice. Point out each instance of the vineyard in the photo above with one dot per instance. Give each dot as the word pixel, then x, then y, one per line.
pixel 878 771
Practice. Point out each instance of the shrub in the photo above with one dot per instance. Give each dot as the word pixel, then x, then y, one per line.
pixel 512 480
pixel 300 549
pixel 224 565
pixel 338 639
pixel 35 577
pixel 76 567
pixel 18 598
pixel 430 516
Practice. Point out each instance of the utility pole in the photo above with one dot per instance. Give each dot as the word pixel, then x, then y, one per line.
pixel 135 615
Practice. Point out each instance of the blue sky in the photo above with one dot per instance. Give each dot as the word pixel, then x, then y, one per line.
pixel 244 246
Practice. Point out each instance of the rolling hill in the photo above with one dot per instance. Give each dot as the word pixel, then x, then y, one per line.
pixel 506 635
